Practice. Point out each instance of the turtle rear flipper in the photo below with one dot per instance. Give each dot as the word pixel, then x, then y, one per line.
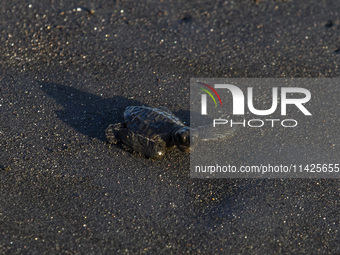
pixel 150 148
pixel 111 132
pixel 219 132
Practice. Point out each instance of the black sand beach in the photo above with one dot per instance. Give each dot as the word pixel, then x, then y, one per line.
pixel 69 68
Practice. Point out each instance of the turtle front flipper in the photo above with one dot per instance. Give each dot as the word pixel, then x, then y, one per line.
pixel 112 131
pixel 151 148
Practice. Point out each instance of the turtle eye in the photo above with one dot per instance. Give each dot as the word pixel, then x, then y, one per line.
pixel 184 138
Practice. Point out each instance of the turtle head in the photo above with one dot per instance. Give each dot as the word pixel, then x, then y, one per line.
pixel 185 138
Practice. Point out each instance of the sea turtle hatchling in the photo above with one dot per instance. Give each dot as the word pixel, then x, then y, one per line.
pixel 150 131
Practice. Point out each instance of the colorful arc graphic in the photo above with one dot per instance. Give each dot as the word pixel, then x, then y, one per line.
pixel 210 95
pixel 213 90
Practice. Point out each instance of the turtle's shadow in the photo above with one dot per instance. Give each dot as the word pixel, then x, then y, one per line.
pixel 87 113
pixel 91 114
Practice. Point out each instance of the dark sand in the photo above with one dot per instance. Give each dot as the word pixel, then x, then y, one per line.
pixel 69 68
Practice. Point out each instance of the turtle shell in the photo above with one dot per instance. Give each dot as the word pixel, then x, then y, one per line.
pixel 151 122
